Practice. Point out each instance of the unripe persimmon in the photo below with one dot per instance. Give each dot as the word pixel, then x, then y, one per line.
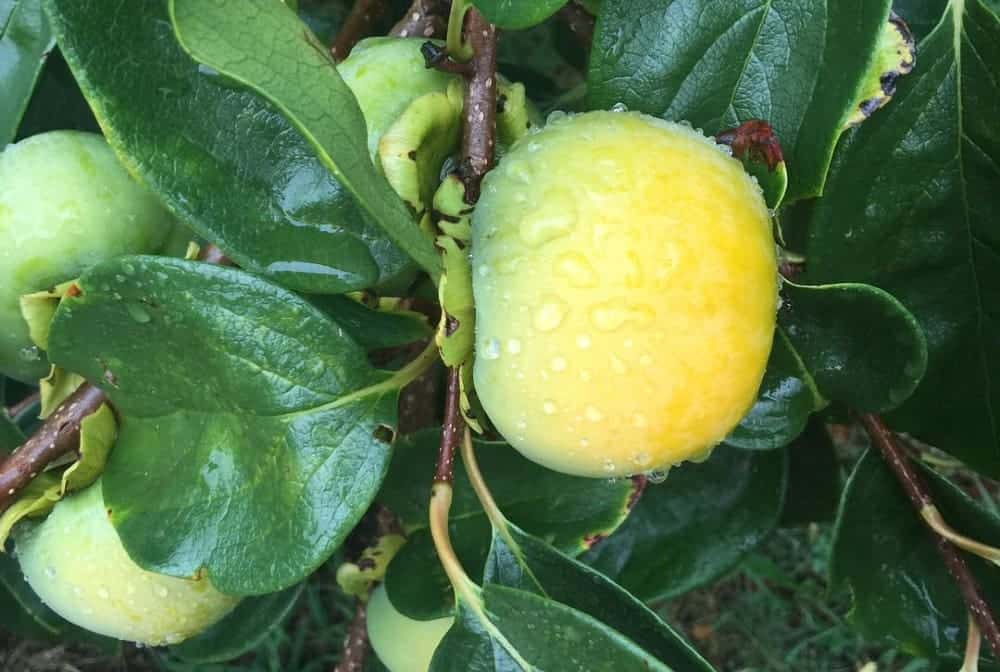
pixel 625 285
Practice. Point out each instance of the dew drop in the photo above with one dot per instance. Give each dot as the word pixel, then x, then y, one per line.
pixel 543 227
pixel 103 594
pixel 609 466
pixel 593 414
pixel 617 365
pixel 633 270
pixel 619 107
pixel 490 349
pixel 658 476
pixel 642 459
pixel 583 341
pixel 519 171
pixel 138 313
pixel 639 420
pixel 555 116
pixel 162 591
pixel 522 425
pixel 645 360
pixel 549 407
pixel 77 590
pixel 483 270
pixel 608 316
pixel 558 364
pixel 50 572
pixel 584 443
pixel 585 376
pixel 549 316
pixel 577 270
pixel 514 346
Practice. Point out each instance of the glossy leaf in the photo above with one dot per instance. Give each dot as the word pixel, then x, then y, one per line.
pixel 787 397
pixel 911 207
pixel 569 512
pixel 284 62
pixel 251 437
pixel 697 525
pixel 860 345
pixel 518 14
pixel 885 556
pixel 223 159
pixel 371 328
pixel 241 630
pixel 716 63
pixel 814 479
pixel 25 42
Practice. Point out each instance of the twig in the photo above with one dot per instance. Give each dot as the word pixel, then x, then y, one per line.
pixel 59 434
pixel 916 490
pixel 352 657
pixel 359 23
pixel 424 18
pixel 478 141
pixel 579 21
pixel 23 405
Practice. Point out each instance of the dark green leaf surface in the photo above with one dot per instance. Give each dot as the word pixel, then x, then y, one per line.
pixel 224 160
pixel 911 206
pixel 241 630
pixel 716 63
pixel 567 511
pixel 248 441
pixel 697 525
pixel 885 555
pixel 524 562
pixel 814 479
pixel 518 14
pixel 373 329
pixel 784 403
pixel 284 62
pixel 10 436
pixel 25 41
pixel 860 345
pixel 920 15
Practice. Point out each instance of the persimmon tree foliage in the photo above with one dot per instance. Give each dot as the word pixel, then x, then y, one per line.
pixel 527 315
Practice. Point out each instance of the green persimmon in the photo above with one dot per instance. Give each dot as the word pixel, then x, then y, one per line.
pixel 77 565
pixel 66 203
pixel 401 643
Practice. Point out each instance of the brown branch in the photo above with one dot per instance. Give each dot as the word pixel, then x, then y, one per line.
pixel 359 24
pixel 23 405
pixel 59 434
pixel 424 18
pixel 451 430
pixel 352 657
pixel 916 490
pixel 579 21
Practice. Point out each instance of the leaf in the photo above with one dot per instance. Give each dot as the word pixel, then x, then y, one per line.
pixel 910 207
pixel 252 426
pixel 567 511
pixel 284 62
pixel 518 14
pixel 784 403
pixel 920 15
pixel 716 63
pixel 224 160
pixel 25 42
pixel 860 345
pixel 697 525
pixel 814 481
pixel 374 328
pixel 10 436
pixel 241 630
pixel 885 555
pixel 555 613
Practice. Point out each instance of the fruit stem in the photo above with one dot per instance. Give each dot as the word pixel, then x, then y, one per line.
pixel 973 642
pixel 479 483
pixel 458 49
pixel 918 493
pixel 352 656
pixel 440 506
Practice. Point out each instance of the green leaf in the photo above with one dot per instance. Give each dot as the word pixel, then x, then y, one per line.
pixel 716 63
pixel 10 436
pixel 920 15
pixel 784 403
pixel 241 630
pixel 911 207
pixel 860 345
pixel 540 610
pixel 374 328
pixel 518 14
pixel 567 511
pixel 224 160
pixel 885 555
pixel 697 525
pixel 284 62
pixel 814 480
pixel 252 430
pixel 25 42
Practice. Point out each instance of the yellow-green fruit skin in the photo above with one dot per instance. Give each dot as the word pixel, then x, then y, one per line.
pixel 401 643
pixel 77 565
pixel 66 203
pixel 625 283
pixel 386 74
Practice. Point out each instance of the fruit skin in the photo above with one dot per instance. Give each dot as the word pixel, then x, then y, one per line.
pixel 626 285
pixel 66 203
pixel 402 644
pixel 386 74
pixel 79 568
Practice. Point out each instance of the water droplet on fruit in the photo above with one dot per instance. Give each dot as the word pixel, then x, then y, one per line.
pixel 547 225
pixel 138 313
pixel 50 572
pixel 593 414
pixel 549 315
pixel 577 270
pixel 639 420
pixel 645 360
pixel 658 476
pixel 558 364
pixel 642 459
pixel 103 594
pixel 513 346
pixel 555 116
pixel 583 341
pixel 518 170
pixel 609 466
pixel 490 349
pixel 483 270
pixel 162 591
pixel 608 316
pixel 618 365
pixel 619 107
pixel 633 270
pixel 549 407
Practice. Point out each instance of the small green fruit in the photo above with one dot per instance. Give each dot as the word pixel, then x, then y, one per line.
pixel 401 643
pixel 76 563
pixel 66 203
